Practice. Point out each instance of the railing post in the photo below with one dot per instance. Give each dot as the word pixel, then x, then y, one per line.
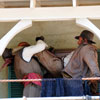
pixel 24 98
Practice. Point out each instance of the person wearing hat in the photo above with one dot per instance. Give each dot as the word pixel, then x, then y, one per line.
pixel 83 62
pixel 30 69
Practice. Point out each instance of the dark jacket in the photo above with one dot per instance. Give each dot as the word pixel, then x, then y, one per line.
pixel 52 63
pixel 83 62
pixel 23 68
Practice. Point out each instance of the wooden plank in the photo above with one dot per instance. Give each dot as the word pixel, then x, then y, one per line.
pixel 49 3
pixel 49 13
pixel 12 0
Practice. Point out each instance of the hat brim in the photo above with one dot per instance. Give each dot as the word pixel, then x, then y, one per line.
pixel 77 37
pixel 92 41
pixel 16 49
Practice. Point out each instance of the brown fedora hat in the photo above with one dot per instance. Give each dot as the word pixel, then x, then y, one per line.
pixel 88 35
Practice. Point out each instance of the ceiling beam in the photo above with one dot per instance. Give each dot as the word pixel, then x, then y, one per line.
pixel 12 0
pixel 49 13
pixel 50 3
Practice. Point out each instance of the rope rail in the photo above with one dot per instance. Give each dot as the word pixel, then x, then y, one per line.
pixel 27 80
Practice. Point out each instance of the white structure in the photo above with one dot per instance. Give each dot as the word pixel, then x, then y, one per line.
pixel 25 17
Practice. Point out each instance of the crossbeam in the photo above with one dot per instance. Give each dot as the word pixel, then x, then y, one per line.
pixel 49 13
pixel 12 0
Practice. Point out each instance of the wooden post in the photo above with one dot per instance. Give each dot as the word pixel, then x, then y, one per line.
pixel 74 3
pixel 24 98
pixel 32 3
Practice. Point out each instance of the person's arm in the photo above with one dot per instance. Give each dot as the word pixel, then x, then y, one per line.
pixel 90 58
pixel 28 52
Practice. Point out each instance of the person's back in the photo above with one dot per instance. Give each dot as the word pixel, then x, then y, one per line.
pixel 23 68
pixel 81 63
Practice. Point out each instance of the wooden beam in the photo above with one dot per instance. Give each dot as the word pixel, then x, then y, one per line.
pixel 32 3
pixel 48 3
pixel 74 3
pixel 49 13
pixel 2 5
pixel 21 25
pixel 12 0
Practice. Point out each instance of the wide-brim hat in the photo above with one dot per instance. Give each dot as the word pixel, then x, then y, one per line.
pixel 14 50
pixel 20 46
pixel 86 34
